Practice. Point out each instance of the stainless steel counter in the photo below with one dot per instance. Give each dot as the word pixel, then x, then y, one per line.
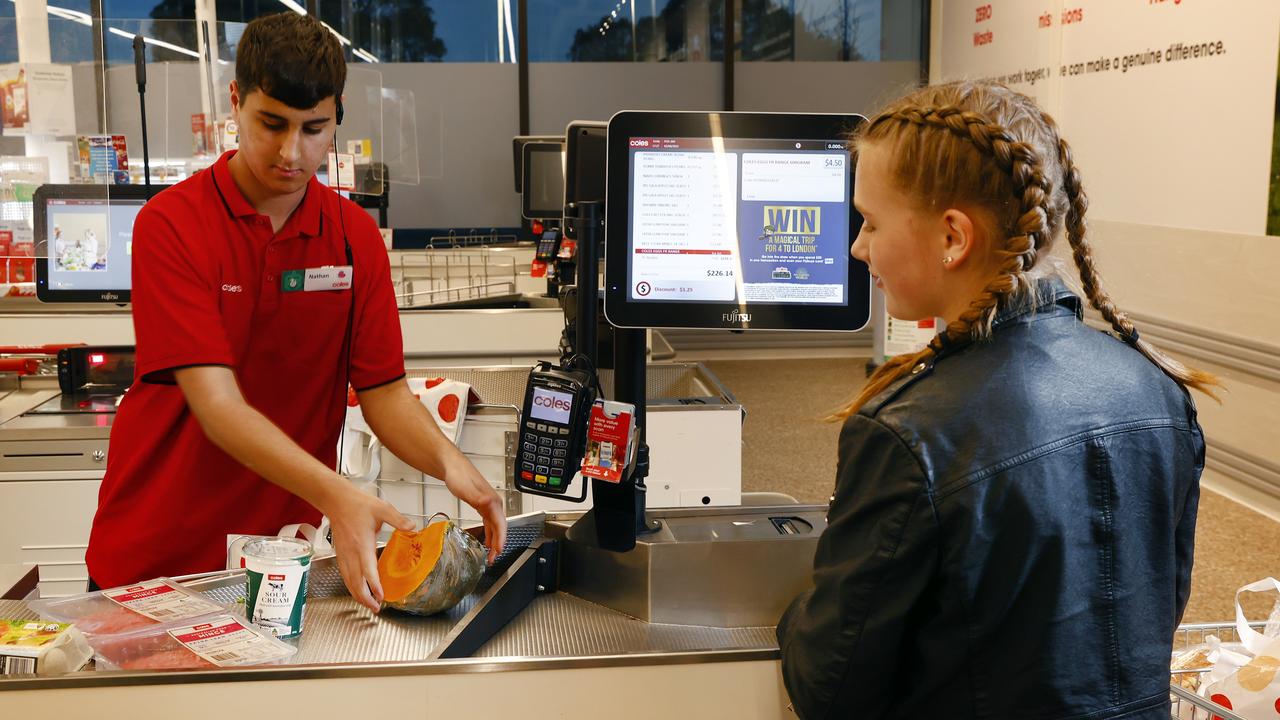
pixel 341 639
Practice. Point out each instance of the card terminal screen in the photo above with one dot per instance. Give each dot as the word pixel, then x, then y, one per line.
pixel 551 405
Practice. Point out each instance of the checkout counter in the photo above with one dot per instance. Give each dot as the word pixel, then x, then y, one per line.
pixel 621 610
pixel 560 653
pixel 701 636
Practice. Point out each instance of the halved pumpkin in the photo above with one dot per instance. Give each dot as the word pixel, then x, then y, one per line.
pixel 431 570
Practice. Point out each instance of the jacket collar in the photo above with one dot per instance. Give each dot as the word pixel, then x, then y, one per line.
pixel 1049 296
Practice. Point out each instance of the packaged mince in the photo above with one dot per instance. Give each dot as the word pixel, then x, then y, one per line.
pixel 128 608
pixel 212 642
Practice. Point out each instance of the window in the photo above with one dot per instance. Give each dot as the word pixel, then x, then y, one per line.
pixel 831 30
pixel 626 30
pixel 426 30
pixel 8 34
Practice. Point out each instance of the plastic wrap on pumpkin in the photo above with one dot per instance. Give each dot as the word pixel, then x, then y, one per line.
pixel 431 570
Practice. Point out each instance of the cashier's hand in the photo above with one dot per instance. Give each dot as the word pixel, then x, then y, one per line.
pixel 468 485
pixel 356 519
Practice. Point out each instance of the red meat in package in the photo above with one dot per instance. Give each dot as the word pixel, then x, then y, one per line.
pixel 221 641
pixel 149 651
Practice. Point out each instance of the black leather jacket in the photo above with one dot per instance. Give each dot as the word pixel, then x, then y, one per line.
pixel 1011 535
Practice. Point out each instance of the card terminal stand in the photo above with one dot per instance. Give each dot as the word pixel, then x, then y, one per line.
pixel 553 429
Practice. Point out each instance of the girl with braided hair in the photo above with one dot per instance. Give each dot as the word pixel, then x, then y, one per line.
pixel 1012 526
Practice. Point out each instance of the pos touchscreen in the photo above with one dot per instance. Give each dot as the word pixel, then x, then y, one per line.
pixel 84 241
pixel 733 220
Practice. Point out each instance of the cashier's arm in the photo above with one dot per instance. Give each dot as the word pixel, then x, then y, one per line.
pixel 405 427
pixel 248 436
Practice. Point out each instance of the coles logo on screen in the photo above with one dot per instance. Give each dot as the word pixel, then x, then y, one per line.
pixel 553 403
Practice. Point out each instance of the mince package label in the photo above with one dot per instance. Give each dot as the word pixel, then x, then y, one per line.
pixel 160 601
pixel 225 641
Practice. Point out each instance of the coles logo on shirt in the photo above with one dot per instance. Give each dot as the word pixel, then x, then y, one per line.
pixel 232 288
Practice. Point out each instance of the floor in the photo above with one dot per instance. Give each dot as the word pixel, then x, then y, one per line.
pixel 789 446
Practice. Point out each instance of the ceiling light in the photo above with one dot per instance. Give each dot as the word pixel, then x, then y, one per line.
pixel 72 15
pixel 336 34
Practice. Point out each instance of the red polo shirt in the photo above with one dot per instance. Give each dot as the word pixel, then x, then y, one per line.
pixel 207 290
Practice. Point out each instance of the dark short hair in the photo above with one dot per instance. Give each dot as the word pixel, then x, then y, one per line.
pixel 291 57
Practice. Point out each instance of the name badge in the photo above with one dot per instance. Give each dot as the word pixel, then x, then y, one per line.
pixel 334 277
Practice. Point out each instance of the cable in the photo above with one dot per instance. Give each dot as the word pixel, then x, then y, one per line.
pixel 351 311
pixel 574 359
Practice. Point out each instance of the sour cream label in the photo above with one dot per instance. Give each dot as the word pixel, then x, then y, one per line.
pixel 276 570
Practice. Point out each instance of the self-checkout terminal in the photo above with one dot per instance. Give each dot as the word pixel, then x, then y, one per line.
pixel 738 221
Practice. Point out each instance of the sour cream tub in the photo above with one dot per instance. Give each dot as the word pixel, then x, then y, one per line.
pixel 277 570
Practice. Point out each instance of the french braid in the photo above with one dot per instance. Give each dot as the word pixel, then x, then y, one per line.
pixel 1091 280
pixel 929 131
pixel 1022 163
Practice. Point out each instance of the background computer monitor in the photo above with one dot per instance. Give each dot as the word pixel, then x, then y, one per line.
pixel 733 220
pixel 585 157
pixel 517 153
pixel 84 241
pixel 542 195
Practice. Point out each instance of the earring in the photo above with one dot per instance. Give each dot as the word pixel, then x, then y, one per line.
pixel 946 260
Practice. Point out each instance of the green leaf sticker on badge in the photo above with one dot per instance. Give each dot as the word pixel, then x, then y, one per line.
pixel 291 280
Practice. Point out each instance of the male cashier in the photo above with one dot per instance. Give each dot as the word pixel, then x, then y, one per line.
pixel 258 296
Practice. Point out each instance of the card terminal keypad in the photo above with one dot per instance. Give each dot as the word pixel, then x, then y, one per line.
pixel 557 403
pixel 543 461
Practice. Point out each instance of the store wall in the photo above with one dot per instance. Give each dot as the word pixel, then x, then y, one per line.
pixel 453 170
pixel 465 117
pixel 562 92
pixel 1176 157
pixel 837 87
pixel 1169 106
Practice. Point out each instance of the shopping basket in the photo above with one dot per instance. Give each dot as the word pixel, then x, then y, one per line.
pixel 1187 705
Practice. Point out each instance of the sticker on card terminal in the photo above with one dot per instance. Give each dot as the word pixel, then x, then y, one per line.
pixel 611 440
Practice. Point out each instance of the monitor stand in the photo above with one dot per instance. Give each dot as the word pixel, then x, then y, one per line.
pixel 618 513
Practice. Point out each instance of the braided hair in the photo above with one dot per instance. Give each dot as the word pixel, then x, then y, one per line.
pixel 985 146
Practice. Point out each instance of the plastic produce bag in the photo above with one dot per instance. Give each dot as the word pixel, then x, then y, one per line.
pixel 1251 690
pixel 430 571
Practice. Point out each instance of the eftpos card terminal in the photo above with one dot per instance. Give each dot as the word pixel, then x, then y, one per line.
pixel 553 428
pixel 548 246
